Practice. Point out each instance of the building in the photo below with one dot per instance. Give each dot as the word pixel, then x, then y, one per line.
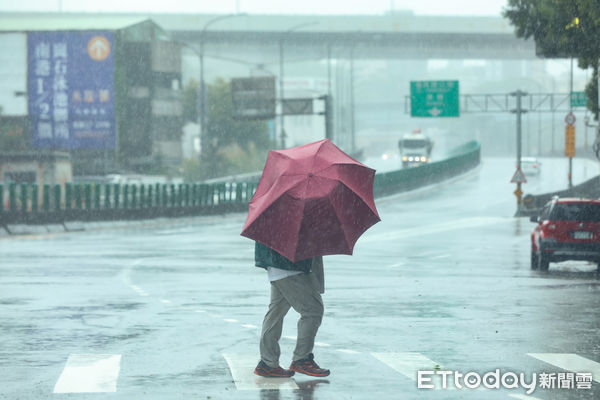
pixel 105 89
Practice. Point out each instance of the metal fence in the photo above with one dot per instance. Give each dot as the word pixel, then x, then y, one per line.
pixel 93 201
pixel 31 204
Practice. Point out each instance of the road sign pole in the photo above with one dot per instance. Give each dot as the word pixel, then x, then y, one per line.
pixel 570 112
pixel 519 110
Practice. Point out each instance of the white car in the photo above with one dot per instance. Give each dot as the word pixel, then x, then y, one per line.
pixel 530 165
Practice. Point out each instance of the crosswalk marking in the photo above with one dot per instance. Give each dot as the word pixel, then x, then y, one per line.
pixel 406 363
pixel 570 362
pixel 523 397
pixel 89 373
pixel 242 367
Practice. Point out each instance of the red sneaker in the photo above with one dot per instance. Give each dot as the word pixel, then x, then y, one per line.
pixel 309 367
pixel 263 369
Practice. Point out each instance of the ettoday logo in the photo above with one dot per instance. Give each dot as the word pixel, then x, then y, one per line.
pixel 444 379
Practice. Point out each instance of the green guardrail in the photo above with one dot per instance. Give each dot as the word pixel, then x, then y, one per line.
pixel 462 159
pixel 110 201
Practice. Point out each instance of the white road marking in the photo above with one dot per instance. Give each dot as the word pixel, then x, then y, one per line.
pixel 321 344
pixel 396 265
pixel 348 351
pixel 230 320
pixel 200 311
pixel 406 363
pixel 165 301
pixel 464 223
pixel 523 397
pixel 89 373
pixel 250 326
pixel 570 362
pixel 290 337
pixel 441 256
pixel 242 370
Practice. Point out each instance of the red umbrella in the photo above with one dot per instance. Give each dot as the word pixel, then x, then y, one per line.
pixel 311 200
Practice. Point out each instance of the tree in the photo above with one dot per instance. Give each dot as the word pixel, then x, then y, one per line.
pixel 561 28
pixel 228 146
pixel 190 102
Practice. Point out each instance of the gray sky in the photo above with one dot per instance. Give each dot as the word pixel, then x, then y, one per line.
pixel 421 7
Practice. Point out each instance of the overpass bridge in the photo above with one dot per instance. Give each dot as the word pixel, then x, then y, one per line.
pixel 255 39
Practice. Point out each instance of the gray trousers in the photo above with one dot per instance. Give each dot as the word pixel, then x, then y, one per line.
pixel 301 292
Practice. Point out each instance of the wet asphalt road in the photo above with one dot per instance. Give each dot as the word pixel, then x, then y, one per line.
pixel 443 280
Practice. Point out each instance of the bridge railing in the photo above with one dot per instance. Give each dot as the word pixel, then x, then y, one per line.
pixel 31 204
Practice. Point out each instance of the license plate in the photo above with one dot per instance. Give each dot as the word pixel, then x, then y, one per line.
pixel 582 235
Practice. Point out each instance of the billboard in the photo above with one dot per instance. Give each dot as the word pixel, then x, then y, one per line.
pixel 71 89
pixel 253 98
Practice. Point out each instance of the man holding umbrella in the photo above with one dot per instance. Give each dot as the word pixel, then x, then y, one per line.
pixel 298 285
pixel 311 201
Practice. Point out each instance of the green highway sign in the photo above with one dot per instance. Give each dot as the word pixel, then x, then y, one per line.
pixel 578 99
pixel 434 99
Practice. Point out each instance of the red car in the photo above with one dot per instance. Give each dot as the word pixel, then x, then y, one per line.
pixel 567 229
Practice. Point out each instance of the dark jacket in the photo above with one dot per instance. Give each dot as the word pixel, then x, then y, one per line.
pixel 266 257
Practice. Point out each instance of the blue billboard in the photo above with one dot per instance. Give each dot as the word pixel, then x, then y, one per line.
pixel 71 89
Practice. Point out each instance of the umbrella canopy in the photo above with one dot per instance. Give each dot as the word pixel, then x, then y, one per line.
pixel 311 200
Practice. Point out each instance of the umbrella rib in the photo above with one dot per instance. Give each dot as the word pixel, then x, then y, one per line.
pixel 314 159
pixel 341 163
pixel 338 217
pixel 300 224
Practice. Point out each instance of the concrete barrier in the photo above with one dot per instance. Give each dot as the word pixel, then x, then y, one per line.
pixel 533 203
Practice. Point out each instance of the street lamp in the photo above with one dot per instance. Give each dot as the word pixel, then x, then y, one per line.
pixel 202 86
pixel 281 40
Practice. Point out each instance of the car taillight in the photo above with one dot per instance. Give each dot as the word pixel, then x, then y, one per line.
pixel 534 165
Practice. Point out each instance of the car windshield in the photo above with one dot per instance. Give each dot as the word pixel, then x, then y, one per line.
pixel 584 212
pixel 414 143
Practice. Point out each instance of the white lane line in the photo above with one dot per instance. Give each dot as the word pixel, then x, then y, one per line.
pixel 230 320
pixel 200 311
pixel 321 344
pixel 347 351
pixel 165 301
pixel 523 397
pixel 570 362
pixel 89 373
pixel 250 326
pixel 290 337
pixel 406 363
pixel 242 367
pixel 396 265
pixel 464 223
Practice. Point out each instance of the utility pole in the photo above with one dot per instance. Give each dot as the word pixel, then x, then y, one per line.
pixel 352 105
pixel 282 39
pixel 519 94
pixel 327 108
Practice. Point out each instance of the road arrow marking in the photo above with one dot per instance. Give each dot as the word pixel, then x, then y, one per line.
pixel 89 373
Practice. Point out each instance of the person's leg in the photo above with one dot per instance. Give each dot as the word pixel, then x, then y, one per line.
pixel 301 292
pixel 271 328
